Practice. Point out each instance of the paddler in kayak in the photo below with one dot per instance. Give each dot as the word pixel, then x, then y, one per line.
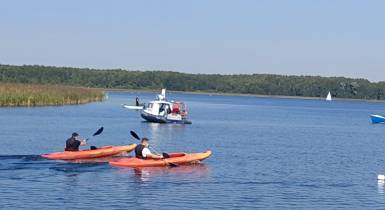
pixel 142 151
pixel 73 143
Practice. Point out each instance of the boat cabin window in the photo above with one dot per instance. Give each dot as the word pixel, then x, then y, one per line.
pixel 150 105
pixel 164 108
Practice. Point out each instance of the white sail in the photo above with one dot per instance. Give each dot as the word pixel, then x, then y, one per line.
pixel 329 97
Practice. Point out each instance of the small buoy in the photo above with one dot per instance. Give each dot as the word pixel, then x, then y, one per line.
pixel 381 177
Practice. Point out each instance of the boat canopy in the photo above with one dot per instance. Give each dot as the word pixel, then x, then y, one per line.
pixel 158 107
pixel 165 107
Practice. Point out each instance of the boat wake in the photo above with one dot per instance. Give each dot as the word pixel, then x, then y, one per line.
pixel 14 163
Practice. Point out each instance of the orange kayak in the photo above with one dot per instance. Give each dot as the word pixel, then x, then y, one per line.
pixel 86 154
pixel 175 158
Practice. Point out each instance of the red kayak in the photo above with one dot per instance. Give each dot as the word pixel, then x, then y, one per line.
pixel 174 159
pixel 86 154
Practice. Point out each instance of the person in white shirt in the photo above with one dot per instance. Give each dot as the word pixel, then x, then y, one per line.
pixel 142 151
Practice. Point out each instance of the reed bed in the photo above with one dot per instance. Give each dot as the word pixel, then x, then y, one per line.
pixel 14 94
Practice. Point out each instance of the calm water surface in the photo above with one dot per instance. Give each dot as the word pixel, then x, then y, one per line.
pixel 268 153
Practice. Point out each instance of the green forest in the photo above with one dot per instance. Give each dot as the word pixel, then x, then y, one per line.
pixel 262 84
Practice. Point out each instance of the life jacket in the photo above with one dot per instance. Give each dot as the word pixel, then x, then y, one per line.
pixel 72 144
pixel 175 108
pixel 138 151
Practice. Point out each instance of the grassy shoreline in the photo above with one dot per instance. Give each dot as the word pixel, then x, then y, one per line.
pixel 249 84
pixel 30 95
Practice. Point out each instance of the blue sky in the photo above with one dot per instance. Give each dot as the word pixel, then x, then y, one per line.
pixel 303 37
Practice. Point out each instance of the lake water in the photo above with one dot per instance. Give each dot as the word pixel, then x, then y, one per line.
pixel 268 153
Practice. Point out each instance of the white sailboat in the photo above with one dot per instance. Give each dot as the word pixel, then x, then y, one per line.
pixel 329 97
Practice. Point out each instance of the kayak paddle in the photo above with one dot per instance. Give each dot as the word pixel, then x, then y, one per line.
pixel 99 131
pixel 133 134
pixel 165 155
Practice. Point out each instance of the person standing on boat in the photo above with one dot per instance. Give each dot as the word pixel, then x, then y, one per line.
pixel 73 143
pixel 137 101
pixel 142 151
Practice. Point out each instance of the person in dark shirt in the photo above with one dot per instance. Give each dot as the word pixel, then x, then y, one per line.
pixel 72 144
pixel 142 151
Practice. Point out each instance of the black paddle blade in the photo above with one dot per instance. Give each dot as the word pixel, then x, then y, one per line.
pixel 172 164
pixel 133 134
pixel 98 131
pixel 165 156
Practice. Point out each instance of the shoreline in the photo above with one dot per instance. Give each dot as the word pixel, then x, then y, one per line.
pixel 241 94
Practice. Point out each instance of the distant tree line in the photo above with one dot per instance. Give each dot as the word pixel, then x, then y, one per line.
pixel 264 84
